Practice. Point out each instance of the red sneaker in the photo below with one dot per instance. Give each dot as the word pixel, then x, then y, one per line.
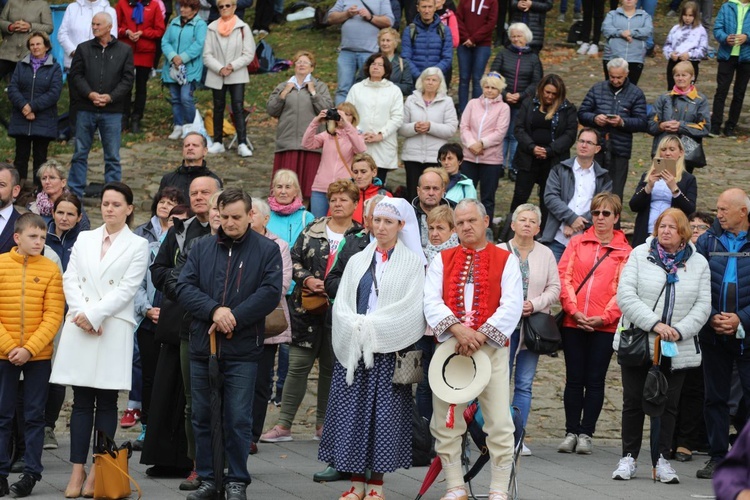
pixel 130 418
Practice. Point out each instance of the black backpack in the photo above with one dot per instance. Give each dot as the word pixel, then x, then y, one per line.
pixel 574 33
pixel 413 31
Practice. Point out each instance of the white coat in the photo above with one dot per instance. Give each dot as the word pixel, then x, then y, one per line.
pixel 441 113
pixel 103 290
pixel 237 49
pixel 76 25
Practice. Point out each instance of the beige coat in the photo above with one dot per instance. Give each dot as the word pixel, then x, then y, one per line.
pixel 237 49
pixel 35 12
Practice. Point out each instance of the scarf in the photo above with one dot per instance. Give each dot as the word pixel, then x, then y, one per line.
pixel 43 204
pixel 137 13
pixel 676 90
pixel 37 63
pixel 225 27
pixel 671 262
pixel 432 250
pixel 280 209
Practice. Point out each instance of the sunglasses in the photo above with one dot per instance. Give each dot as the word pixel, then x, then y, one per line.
pixel 225 6
pixel 597 213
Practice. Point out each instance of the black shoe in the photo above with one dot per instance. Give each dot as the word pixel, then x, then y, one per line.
pixel 167 472
pixel 330 474
pixel 512 175
pixel 135 124
pixel 4 486
pixel 22 487
pixel 18 466
pixel 253 448
pixel 730 133
pixel 683 457
pixel 707 472
pixel 137 445
pixel 207 491
pixel 714 132
pixel 278 18
pixel 650 52
pixel 191 483
pixel 236 491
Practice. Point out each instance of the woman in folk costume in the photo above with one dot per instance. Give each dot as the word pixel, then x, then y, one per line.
pixel 377 313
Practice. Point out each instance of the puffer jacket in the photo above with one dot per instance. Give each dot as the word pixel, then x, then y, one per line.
pixel 441 113
pixel 286 259
pixel 534 19
pixel 31 306
pixel 521 69
pixel 640 26
pixel 686 303
pixel 41 91
pixel 187 42
pixel 725 25
pixel 476 21
pixel 296 112
pixel 374 189
pixel 598 296
pixel 76 25
pixel 564 128
pixel 107 70
pixel 35 12
pixel 691 109
pixel 237 49
pixel 485 120
pixel 628 101
pixel 429 48
pixel 152 27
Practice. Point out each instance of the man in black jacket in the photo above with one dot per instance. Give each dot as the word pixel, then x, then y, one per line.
pixel 230 282
pixel 194 151
pixel 100 79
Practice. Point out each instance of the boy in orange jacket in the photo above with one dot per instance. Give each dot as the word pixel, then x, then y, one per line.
pixel 31 310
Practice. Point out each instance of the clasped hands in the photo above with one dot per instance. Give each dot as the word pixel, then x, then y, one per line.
pixel 725 323
pixel 100 100
pixel 588 323
pixel 469 340
pixel 82 322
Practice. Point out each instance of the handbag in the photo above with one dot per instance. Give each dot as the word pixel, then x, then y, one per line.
pixel 111 466
pixel 540 333
pixel 314 303
pixel 408 369
pixel 656 386
pixel 695 157
pixel 559 317
pixel 276 322
pixel 633 348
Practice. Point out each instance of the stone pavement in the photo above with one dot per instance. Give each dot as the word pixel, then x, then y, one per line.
pixel 284 471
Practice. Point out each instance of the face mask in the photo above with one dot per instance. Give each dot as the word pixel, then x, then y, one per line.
pixel 669 349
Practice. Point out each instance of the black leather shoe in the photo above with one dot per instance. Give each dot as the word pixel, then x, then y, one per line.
pixel 236 491
pixel 330 474
pixel 4 486
pixel 512 175
pixel 253 448
pixel 22 487
pixel 135 124
pixel 207 491
pixel 707 472
pixel 683 457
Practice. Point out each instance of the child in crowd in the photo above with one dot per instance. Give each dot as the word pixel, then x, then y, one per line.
pixel 31 311
pixel 687 41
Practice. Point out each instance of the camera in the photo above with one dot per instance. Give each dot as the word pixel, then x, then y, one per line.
pixel 333 114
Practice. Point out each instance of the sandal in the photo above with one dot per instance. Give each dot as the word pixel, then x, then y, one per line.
pixel 374 495
pixel 352 494
pixel 497 495
pixel 458 493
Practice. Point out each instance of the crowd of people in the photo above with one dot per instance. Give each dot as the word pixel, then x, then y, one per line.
pixel 365 277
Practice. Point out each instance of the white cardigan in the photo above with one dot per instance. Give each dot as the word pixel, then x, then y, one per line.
pixel 104 290
pixel 381 109
pixel 641 282
pixel 237 49
pixel 441 113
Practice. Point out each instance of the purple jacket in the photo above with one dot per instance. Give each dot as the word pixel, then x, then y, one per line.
pixel 683 39
pixel 730 476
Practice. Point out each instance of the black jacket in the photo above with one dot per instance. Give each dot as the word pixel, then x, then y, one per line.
pixel 641 204
pixel 244 275
pixel 183 176
pixel 534 19
pixel 351 245
pixel 521 69
pixel 564 128
pixel 106 70
pixel 628 101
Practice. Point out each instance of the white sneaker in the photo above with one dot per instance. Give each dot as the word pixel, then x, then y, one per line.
pixel 525 451
pixel 665 473
pixel 593 50
pixel 585 445
pixel 176 133
pixel 244 151
pixel 626 468
pixel 584 48
pixel 561 18
pixel 568 444
pixel 216 147
pixel 577 16
pixel 255 32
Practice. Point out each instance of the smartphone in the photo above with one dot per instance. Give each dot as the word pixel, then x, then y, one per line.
pixel 661 164
pixel 613 116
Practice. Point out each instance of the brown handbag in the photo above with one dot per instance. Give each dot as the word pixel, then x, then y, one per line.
pixel 112 480
pixel 276 322
pixel 314 303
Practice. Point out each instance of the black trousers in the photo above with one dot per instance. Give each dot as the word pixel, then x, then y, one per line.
pixel 139 103
pixel 634 72
pixel 724 76
pixel 93 409
pixel 502 16
pixel 617 166
pixel 690 428
pixel 237 96
pixel 149 349
pixel 263 389
pixel 525 181
pixel 263 15
pixel 25 145
pixel 413 171
pixel 382 174
pixel 6 68
pixel 593 14
pixel 55 400
pixel 670 66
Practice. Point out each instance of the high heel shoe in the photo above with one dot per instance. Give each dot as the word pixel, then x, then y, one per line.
pixel 75 491
pixel 89 493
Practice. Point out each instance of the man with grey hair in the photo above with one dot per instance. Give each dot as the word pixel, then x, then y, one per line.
pixel 617 109
pixel 481 316
pixel 101 77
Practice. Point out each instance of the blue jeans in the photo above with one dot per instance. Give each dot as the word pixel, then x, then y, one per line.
pixel 576 6
pixel 35 379
pixel 347 66
pixel 488 176
pixel 650 7
pixel 237 396
pixel 427 345
pixel 471 65
pixel 318 204
pixel 525 362
pixel 110 128
pixel 510 143
pixel 558 249
pixel 183 103
pixel 136 388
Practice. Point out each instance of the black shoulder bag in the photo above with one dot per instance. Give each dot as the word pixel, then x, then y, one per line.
pixel 633 348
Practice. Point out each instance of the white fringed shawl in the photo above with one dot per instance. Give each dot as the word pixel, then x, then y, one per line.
pixel 398 321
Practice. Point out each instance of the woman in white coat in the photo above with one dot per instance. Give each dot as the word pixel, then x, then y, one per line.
pixel 430 120
pixel 381 111
pixel 95 353
pixel 228 50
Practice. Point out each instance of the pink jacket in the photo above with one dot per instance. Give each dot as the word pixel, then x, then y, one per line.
pixel 331 167
pixel 284 337
pixel 486 120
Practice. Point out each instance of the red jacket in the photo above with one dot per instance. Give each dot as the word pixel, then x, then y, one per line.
pixel 365 194
pixel 598 296
pixel 152 27
pixel 476 21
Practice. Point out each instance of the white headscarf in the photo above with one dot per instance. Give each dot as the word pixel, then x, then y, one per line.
pixel 402 210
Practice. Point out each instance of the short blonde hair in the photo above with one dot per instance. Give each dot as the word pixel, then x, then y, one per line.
pixel 606 198
pixel 389 31
pixel 52 165
pixel 286 176
pixel 343 186
pixel 304 53
pixel 352 110
pixel 685 66
pixel 494 80
pixel 367 159
pixel 442 213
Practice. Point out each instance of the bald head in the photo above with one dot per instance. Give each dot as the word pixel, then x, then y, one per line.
pixel 732 210
pixel 201 190
pixel 430 190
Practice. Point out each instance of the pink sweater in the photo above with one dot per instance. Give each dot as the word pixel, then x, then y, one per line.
pixel 486 120
pixel 331 167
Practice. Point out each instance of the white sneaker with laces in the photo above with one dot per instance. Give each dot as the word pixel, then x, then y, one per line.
pixel 584 48
pixel 665 473
pixel 244 151
pixel 626 468
pixel 568 444
pixel 593 50
pixel 176 133
pixel 525 451
pixel 216 148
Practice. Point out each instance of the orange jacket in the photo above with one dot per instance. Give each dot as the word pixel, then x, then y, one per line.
pixel 32 304
pixel 598 296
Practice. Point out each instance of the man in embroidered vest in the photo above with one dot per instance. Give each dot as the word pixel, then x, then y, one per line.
pixel 474 293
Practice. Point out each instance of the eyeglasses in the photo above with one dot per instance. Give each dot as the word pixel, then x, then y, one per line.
pixel 225 6
pixel 698 227
pixel 597 213
pixel 588 143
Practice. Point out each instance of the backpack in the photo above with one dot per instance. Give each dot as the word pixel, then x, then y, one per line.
pixel 574 32
pixel 413 31
pixel 264 60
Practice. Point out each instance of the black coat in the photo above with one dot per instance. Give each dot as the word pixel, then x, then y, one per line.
pixel 641 204
pixel 41 92
pixel 6 237
pixel 534 19
pixel 183 176
pixel 521 69
pixel 564 128
pixel 106 70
